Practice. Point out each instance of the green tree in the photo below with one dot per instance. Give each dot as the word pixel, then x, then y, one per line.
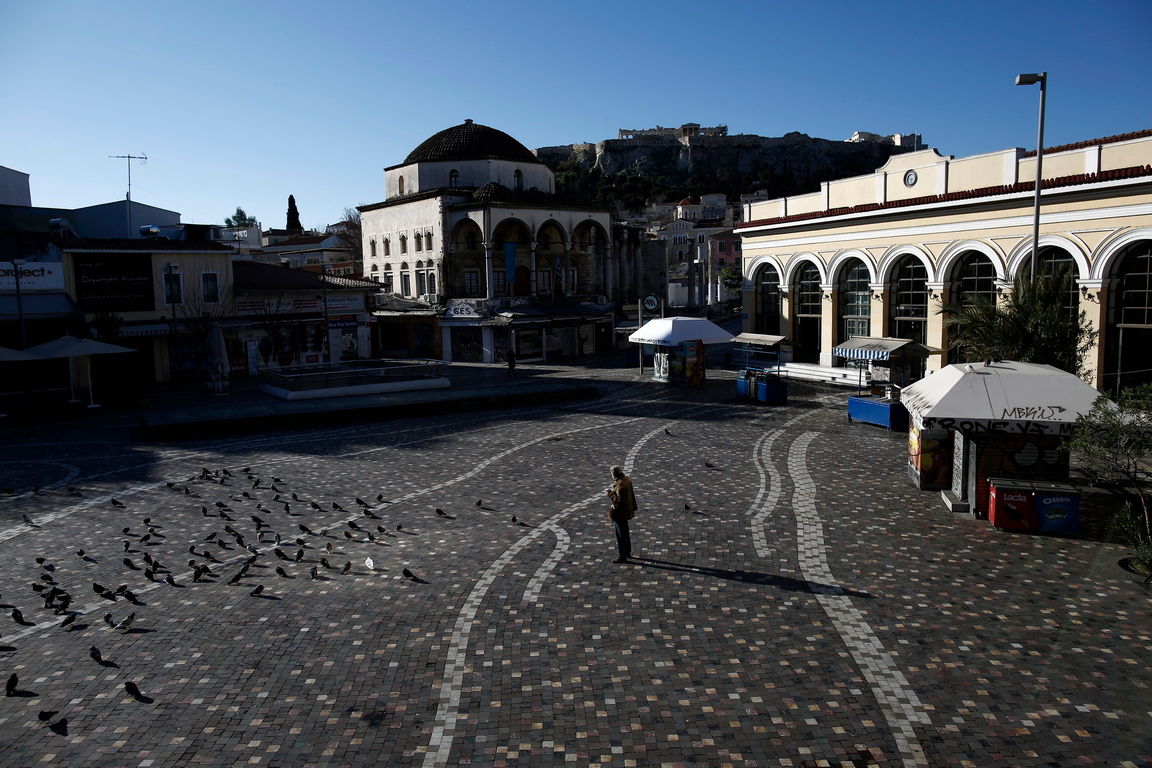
pixel 1034 324
pixel 1113 445
pixel 240 219
pixel 351 232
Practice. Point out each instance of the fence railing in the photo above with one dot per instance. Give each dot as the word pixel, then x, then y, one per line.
pixel 351 373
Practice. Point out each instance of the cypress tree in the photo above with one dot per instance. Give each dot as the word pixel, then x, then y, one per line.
pixel 293 217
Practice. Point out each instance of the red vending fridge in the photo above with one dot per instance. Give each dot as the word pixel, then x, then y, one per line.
pixel 1010 504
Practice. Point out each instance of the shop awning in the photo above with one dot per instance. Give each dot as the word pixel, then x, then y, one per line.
pixel 759 339
pixel 38 306
pixel 1003 396
pixel 879 348
pixel 666 331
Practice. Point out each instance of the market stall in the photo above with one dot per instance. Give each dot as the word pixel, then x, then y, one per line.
pixel 678 347
pixel 1005 420
pixel 761 377
pixel 885 365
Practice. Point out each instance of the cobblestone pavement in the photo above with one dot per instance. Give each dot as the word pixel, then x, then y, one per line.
pixel 796 603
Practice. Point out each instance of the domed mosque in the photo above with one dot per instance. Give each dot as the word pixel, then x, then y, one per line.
pixel 477 254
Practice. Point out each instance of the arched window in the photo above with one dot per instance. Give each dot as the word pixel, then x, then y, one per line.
pixel 974 275
pixel 454 178
pixel 1128 334
pixel 419 242
pixel 401 185
pixel 806 298
pixel 403 244
pixel 908 300
pixel 855 300
pixel 387 247
pixel 431 281
pixel 767 300
pixel 470 241
pixel 428 240
pixel 518 180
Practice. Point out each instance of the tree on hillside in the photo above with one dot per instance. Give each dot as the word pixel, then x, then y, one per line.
pixel 294 224
pixel 240 219
pixel 1034 324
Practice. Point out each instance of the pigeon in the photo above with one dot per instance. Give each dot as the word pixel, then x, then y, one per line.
pixel 337 507
pixel 348 535
pixel 251 549
pixel 147 521
pixel 514 519
pixel 259 522
pixel 479 502
pixel 118 504
pixel 709 465
pixel 17 616
pixel 146 538
pixel 280 554
pixel 247 495
pixel 369 564
pixel 324 562
pixel 328 547
pixel 129 564
pixel 281 572
pixel 126 530
pixel 46 715
pixel 347 567
pixel 170 580
pixel 379 497
pixel 41 560
pixel 408 574
pixel 441 512
pixel 353 526
pixel 315 505
pixel 399 526
pixel 98 588
pixel 667 431
pixel 380 528
pixel 132 689
pixel 687 507
pixel 299 555
pixel 295 497
pixel 10 686
pixel 80 553
pixel 221 504
pixel 314 573
pixel 127 623
pixel 68 621
pixel 150 574
pixel 361 502
pixel 130 596
pixel 73 490
pixel 305 528
pixel 256 592
pixel 204 511
pixel 94 653
pixel 127 546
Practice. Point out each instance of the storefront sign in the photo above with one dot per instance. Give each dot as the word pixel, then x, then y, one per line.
pixel 343 322
pixel 114 282
pixel 461 308
pixel 298 305
pixel 34 276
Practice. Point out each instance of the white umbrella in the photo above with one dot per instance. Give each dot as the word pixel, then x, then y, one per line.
pixel 999 396
pixel 70 346
pixel 12 355
pixel 218 364
pixel 667 331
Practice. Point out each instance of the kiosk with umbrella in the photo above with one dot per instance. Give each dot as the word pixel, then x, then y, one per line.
pixel 69 347
pixel 679 344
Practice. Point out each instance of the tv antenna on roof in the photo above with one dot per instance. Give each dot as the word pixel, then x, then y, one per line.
pixel 143 158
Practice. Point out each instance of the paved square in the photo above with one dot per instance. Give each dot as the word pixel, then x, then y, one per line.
pixel 797 603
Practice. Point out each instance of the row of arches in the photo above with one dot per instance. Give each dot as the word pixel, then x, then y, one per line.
pixel 1114 283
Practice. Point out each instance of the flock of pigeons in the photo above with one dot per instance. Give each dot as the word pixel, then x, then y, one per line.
pixel 220 549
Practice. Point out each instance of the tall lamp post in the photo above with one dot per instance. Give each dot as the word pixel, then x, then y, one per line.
pixel 1033 79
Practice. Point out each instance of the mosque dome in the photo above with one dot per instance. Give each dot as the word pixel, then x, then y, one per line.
pixel 470 141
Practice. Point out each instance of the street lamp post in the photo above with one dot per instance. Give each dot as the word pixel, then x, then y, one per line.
pixel 1033 79
pixel 17 265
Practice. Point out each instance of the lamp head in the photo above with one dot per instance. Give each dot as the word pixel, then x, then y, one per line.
pixel 1032 79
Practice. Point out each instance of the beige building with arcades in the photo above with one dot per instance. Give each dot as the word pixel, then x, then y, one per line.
pixel 880 254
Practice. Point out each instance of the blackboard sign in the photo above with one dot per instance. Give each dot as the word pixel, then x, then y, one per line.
pixel 114 282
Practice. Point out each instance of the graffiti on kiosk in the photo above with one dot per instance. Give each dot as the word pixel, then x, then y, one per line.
pixel 972 426
pixel 1033 412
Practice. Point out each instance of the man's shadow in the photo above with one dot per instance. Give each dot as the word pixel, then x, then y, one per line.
pixel 786 583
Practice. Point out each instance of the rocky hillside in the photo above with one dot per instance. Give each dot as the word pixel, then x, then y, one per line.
pixel 624 173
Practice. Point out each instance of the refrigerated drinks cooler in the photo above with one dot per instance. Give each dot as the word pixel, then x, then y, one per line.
pixel 762 386
pixel 1019 505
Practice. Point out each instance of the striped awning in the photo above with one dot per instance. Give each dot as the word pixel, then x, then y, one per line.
pixel 879 348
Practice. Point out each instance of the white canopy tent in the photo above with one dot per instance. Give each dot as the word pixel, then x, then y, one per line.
pixel 1001 396
pixel 70 346
pixel 667 331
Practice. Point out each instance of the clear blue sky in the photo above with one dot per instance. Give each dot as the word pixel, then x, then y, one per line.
pixel 243 103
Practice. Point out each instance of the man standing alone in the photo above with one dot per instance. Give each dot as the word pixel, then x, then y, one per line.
pixel 622 510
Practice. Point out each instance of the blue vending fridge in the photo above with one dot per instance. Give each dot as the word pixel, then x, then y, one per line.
pixel 1057 507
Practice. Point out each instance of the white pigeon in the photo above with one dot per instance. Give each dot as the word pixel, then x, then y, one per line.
pixel 371 565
